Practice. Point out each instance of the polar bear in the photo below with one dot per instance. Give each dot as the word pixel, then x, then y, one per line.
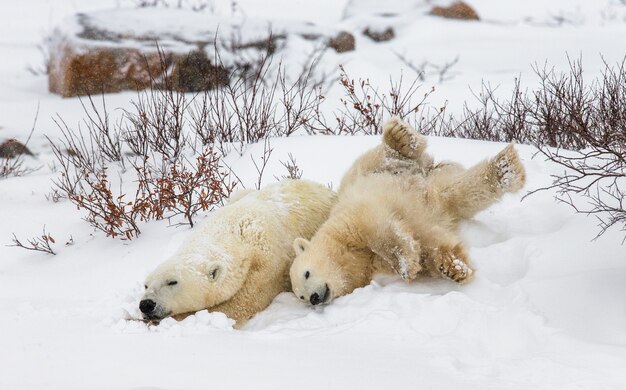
pixel 400 218
pixel 238 260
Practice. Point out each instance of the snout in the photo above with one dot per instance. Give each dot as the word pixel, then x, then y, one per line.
pixel 321 296
pixel 147 306
pixel 152 310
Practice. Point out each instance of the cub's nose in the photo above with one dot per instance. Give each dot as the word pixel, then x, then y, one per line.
pixel 315 299
pixel 147 306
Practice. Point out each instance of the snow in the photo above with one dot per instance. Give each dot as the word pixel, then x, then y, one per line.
pixel 545 310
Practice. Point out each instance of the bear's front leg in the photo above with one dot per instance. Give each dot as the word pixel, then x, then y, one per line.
pixel 395 244
pixel 451 262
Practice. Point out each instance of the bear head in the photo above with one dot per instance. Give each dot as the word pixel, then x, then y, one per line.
pixel 189 282
pixel 324 270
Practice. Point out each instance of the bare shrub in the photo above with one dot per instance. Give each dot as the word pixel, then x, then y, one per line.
pixel 42 243
pixel 54 196
pixel 168 183
pixel 85 182
pixel 169 180
pixel 183 189
pixel 256 105
pixel 591 120
pixel 293 170
pixel 425 69
pixel 261 165
pixel 12 167
pixel 364 107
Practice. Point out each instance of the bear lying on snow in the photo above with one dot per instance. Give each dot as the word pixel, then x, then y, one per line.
pixel 399 216
pixel 238 260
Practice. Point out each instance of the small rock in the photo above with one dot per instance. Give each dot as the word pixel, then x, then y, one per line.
pixel 342 42
pixel 458 10
pixel 379 36
pixel 13 148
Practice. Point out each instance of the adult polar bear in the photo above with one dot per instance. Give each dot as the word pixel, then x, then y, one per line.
pixel 238 260
pixel 402 222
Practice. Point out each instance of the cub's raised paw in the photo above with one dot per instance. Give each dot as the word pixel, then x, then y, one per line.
pixel 452 264
pixel 403 138
pixel 509 169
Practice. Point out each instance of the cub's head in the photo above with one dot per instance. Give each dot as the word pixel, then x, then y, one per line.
pixel 321 271
pixel 189 283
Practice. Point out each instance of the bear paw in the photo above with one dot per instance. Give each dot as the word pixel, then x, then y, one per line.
pixel 453 266
pixel 404 139
pixel 509 169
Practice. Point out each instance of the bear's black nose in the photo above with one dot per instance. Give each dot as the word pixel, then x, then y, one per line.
pixel 147 306
pixel 315 299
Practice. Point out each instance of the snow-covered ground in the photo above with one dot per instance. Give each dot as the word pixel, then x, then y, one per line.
pixel 547 309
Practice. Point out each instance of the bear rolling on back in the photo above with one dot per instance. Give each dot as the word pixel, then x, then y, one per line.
pixel 400 218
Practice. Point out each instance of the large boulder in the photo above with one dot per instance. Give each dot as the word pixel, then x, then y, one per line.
pixel 75 71
pixel 132 49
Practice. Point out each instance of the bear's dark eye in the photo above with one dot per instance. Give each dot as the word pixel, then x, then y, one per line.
pixel 172 283
pixel 302 297
pixel 307 274
pixel 145 286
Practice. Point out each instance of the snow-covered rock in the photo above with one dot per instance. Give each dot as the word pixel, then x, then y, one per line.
pixel 132 49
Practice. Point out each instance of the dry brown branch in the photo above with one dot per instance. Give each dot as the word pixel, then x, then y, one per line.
pixel 42 243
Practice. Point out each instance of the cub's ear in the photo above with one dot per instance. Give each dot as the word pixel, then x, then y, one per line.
pixel 300 245
pixel 214 271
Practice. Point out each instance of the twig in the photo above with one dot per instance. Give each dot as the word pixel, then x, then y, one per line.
pixel 38 244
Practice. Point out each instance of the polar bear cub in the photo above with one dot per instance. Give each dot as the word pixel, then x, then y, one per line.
pixel 400 217
pixel 238 260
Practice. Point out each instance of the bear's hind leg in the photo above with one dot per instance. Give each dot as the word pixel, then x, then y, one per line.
pixel 479 187
pixel 408 142
pixel 509 170
pixel 403 138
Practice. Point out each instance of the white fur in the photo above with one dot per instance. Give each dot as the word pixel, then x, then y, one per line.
pixel 237 260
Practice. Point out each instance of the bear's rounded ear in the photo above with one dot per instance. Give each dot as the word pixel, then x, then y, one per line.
pixel 300 245
pixel 214 271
